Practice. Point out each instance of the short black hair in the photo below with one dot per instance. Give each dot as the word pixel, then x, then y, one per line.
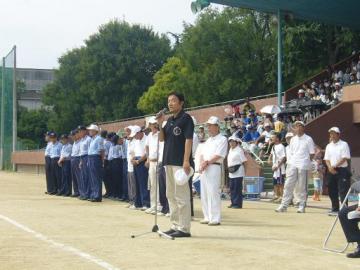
pixel 81 127
pixel 64 136
pixel 180 96
pixel 103 133
pixel 277 135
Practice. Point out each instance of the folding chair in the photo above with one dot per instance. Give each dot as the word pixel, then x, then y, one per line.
pixel 354 190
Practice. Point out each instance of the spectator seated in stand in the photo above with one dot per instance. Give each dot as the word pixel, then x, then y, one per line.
pixel 251 135
pixel 252 118
pixel 263 142
pixel 248 106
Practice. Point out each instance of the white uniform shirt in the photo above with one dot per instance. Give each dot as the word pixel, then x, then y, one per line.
pixel 152 143
pixel 161 151
pixel 278 153
pixel 334 152
pixel 301 148
pixel 236 156
pixel 267 135
pixel 130 155
pixel 139 146
pixel 195 144
pixel 215 146
pixel 288 153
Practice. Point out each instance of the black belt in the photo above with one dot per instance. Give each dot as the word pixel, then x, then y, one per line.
pixel 219 164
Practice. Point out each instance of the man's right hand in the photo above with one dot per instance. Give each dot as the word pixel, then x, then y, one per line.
pixel 332 170
pixel 161 120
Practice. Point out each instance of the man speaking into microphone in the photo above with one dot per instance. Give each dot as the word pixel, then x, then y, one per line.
pixel 177 136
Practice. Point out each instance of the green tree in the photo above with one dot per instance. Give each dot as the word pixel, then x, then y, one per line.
pixel 310 47
pixel 32 124
pixel 172 76
pixel 103 80
pixel 225 55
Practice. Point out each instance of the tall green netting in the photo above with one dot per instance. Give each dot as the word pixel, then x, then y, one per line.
pixel 8 110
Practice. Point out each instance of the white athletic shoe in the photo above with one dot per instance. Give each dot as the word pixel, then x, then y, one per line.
pixel 281 209
pixel 132 207
pixel 149 210
pixel 160 214
pixel 144 208
pixel 167 215
pixel 301 209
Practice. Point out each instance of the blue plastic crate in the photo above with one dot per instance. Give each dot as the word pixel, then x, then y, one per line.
pixel 253 186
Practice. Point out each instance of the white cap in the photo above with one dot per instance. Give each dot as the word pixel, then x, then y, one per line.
pixel 234 138
pixel 93 127
pixel 213 120
pixel 181 178
pixel 289 135
pixel 301 91
pixel 267 124
pixel 335 129
pixel 337 84
pixel 134 130
pixel 152 120
pixel 248 126
pixel 299 123
pixel 194 120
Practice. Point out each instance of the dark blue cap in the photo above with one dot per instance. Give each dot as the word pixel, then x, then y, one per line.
pixel 81 127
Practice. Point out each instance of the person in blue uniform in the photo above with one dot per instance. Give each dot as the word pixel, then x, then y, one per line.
pixel 95 161
pixel 84 187
pixel 107 169
pixel 65 164
pixel 55 151
pixel 116 168
pixel 48 162
pixel 140 170
pixel 125 194
pixel 75 161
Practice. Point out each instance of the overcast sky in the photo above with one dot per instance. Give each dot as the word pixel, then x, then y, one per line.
pixel 45 29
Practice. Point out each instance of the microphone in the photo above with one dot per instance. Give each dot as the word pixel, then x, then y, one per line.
pixel 161 113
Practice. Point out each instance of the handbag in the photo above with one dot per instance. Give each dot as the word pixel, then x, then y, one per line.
pixel 233 169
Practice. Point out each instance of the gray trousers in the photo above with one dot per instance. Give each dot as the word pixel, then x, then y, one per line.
pixel 298 178
pixel 131 187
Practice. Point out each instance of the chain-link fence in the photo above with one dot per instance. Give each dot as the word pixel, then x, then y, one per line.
pixel 8 109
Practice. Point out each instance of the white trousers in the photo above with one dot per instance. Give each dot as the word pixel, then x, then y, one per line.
pixel 179 201
pixel 295 176
pixel 152 184
pixel 210 182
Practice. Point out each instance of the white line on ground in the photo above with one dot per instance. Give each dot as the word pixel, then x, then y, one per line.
pixel 60 246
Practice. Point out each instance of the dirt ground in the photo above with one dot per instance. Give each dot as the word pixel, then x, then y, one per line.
pixel 38 231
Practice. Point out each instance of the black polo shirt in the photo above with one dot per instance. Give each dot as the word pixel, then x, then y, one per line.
pixel 176 131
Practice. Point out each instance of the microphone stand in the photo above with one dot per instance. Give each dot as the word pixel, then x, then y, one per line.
pixel 155 228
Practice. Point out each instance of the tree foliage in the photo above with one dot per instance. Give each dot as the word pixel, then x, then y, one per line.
pixel 225 55
pixel 232 53
pixel 32 125
pixel 103 80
